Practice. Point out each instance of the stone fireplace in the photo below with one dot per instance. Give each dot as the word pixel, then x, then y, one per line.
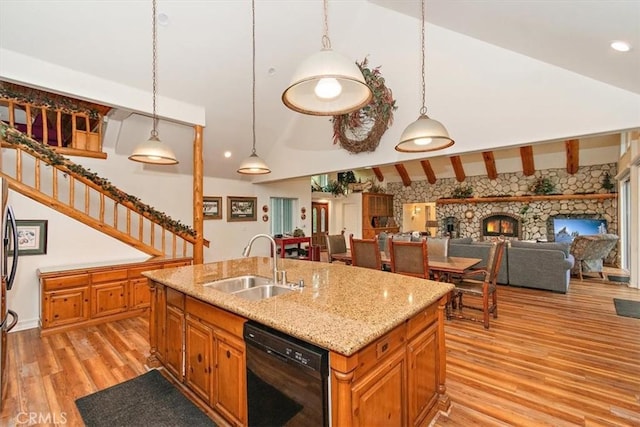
pixel 500 224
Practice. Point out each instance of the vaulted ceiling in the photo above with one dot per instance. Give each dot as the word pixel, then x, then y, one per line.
pixel 501 74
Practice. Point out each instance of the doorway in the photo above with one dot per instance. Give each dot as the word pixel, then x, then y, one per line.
pixel 319 224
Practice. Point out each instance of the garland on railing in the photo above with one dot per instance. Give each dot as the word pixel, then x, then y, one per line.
pixel 15 137
pixel 38 98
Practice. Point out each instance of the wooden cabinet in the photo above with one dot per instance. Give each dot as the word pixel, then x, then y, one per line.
pixel 377 215
pixel 399 378
pixel 209 341
pixel 83 296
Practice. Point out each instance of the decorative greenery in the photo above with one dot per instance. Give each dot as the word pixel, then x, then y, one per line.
pixel 376 188
pixel 462 192
pixel 346 178
pixel 335 188
pixel 607 183
pixel 361 130
pixel 39 98
pixel 16 138
pixel 543 185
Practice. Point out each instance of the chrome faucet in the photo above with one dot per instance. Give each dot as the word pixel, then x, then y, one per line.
pixel 274 256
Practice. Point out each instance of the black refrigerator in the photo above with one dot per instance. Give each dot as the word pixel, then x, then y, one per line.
pixel 8 268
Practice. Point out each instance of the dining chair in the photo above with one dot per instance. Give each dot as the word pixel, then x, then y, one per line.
pixel 409 258
pixel 365 253
pixel 478 283
pixel 336 244
pixel 438 246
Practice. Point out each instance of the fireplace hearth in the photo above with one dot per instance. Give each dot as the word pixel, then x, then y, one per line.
pixel 500 224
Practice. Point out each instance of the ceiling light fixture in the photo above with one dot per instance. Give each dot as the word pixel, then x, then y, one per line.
pixel 327 83
pixel 153 150
pixel 253 165
pixel 620 46
pixel 425 134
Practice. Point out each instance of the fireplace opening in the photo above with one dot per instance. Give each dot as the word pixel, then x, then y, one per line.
pixel 500 225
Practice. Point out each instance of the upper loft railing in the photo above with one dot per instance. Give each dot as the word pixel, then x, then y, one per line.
pixel 40 173
pixel 66 125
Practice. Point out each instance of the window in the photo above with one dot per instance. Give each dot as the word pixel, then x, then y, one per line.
pixel 319 181
pixel 282 215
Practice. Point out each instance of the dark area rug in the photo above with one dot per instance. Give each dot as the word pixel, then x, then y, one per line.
pixel 627 308
pixel 147 400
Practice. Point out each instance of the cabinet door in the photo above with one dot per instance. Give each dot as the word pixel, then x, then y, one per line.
pixel 422 358
pixel 65 306
pixel 139 293
pixel 230 378
pixel 198 357
pixel 109 298
pixel 380 394
pixel 174 336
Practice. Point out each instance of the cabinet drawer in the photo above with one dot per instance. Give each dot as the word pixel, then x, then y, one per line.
pixel 54 283
pixel 108 276
pixel 422 320
pixel 371 355
pixel 215 316
pixel 175 298
pixel 136 273
pixel 176 264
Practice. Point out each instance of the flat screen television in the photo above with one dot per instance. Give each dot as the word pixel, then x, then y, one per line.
pixel 565 229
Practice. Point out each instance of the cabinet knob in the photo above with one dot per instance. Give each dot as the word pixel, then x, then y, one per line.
pixel 228 354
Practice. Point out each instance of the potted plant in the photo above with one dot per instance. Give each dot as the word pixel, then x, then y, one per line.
pixel 462 192
pixel 607 183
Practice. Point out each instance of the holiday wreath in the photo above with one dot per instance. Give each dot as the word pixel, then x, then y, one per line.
pixel 361 130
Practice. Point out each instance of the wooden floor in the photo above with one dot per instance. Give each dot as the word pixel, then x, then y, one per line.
pixel 549 359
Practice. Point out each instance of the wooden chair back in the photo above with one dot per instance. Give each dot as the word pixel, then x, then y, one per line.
pixel 365 253
pixel 336 244
pixel 409 258
pixel 438 246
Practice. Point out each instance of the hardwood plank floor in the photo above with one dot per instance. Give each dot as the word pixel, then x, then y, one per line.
pixel 549 359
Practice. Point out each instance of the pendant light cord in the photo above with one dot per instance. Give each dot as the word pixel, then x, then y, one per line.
pixel 253 75
pixel 326 42
pixel 154 131
pixel 423 110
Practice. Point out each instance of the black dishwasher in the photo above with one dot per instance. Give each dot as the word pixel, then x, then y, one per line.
pixel 287 379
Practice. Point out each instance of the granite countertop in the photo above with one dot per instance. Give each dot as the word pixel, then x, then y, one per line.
pixel 341 308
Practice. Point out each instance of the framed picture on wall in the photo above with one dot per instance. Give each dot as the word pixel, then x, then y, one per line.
pixel 212 207
pixel 32 236
pixel 241 208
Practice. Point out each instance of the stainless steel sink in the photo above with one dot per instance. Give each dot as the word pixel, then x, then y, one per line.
pixel 235 284
pixel 261 292
pixel 253 288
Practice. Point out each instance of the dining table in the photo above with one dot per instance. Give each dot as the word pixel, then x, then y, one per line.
pixel 440 265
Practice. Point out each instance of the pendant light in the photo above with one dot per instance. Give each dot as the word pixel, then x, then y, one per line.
pixel 153 151
pixel 425 134
pixel 327 83
pixel 253 165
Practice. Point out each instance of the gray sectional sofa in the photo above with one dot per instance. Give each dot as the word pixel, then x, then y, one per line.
pixel 526 264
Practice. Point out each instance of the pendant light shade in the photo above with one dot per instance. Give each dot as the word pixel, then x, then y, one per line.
pixel 425 134
pixel 153 150
pixel 253 165
pixel 327 83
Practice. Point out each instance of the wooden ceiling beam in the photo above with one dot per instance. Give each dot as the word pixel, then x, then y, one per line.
pixel 458 169
pixel 528 165
pixel 428 171
pixel 573 155
pixel 378 173
pixel 406 181
pixel 490 164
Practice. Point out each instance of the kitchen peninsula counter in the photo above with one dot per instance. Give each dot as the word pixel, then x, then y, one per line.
pixel 348 308
pixel 384 333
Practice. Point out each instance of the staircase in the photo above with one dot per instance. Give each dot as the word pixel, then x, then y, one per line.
pixel 40 173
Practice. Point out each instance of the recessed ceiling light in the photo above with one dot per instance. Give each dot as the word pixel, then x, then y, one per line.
pixel 620 46
pixel 227 154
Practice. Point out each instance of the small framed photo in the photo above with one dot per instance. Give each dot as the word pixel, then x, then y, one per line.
pixel 241 208
pixel 212 207
pixel 32 236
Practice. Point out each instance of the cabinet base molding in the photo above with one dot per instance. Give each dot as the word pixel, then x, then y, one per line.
pixel 64 328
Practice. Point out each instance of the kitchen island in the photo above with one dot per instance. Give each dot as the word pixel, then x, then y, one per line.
pixel 384 332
